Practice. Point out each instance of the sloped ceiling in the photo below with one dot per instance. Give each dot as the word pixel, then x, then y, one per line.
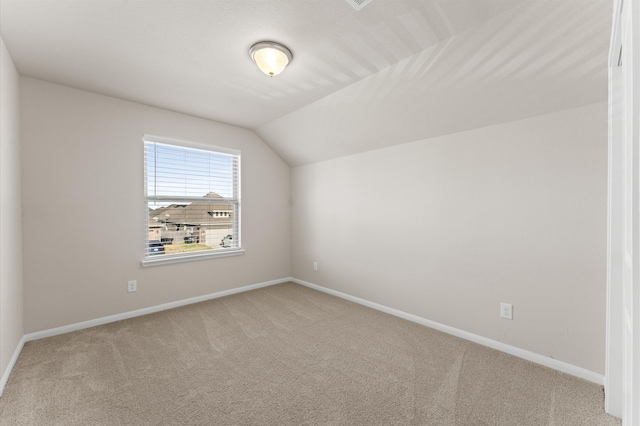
pixel 395 71
pixel 531 60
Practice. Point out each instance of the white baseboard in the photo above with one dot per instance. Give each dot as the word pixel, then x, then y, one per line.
pixel 12 363
pixel 512 350
pixel 125 315
pixel 152 309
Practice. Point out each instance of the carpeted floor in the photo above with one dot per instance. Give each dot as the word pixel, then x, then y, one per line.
pixel 284 355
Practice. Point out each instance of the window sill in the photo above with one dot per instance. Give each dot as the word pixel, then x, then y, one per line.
pixel 190 257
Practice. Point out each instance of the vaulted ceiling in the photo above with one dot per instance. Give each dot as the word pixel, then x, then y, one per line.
pixel 393 72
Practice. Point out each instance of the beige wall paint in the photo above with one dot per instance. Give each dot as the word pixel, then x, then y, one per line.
pixel 11 322
pixel 84 212
pixel 449 227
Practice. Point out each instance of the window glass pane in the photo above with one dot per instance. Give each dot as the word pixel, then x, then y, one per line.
pixel 192 200
pixel 182 228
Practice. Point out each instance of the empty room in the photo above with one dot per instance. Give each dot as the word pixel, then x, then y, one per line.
pixel 320 212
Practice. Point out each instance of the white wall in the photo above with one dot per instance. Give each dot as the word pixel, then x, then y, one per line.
pixel 449 227
pixel 11 325
pixel 84 212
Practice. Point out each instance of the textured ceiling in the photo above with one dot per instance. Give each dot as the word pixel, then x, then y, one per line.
pixel 531 60
pixel 395 71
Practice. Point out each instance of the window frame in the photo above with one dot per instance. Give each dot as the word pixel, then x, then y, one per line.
pixel 149 260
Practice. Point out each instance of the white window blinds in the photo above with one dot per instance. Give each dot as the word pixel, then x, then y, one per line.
pixel 192 197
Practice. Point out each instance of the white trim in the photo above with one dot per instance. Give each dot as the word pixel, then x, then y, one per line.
pixel 502 347
pixel 188 257
pixel 614 375
pixel 12 363
pixel 145 311
pixel 622 390
pixel 615 43
pixel 520 353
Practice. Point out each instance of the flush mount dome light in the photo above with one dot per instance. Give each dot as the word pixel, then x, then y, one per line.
pixel 271 57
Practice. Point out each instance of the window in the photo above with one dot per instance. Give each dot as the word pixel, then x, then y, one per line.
pixel 192 201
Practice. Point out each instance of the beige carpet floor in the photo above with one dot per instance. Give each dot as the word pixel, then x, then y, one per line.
pixel 284 355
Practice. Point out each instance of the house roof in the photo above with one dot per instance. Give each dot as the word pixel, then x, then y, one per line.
pixel 194 214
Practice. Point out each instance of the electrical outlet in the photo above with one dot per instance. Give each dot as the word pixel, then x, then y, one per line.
pixel 132 286
pixel 506 311
pixel 315 266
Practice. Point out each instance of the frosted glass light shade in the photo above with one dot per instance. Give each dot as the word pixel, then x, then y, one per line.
pixel 272 58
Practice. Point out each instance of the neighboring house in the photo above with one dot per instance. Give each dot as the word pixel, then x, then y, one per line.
pixel 203 223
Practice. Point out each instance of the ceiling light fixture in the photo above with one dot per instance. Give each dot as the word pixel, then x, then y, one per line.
pixel 271 57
